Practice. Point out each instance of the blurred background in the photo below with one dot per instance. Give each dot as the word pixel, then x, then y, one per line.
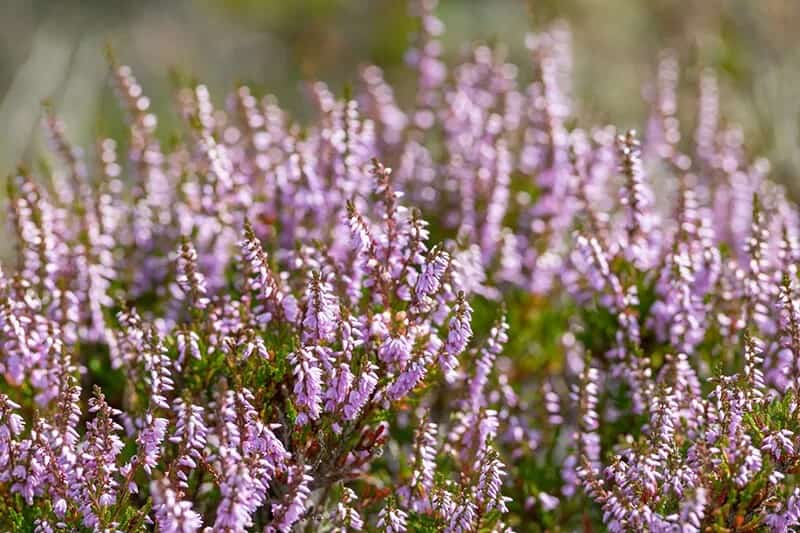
pixel 54 50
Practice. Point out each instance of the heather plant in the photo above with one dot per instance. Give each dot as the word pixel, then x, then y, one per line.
pixel 467 312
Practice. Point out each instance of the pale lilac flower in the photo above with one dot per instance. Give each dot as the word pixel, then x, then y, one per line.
pixel 425 447
pixel 173 514
pixel 291 509
pixel 362 392
pixel 96 477
pixel 319 324
pixel 189 279
pixel 490 482
pixel 191 436
pixel 307 386
pixel 392 520
pixel 432 271
pixel 237 502
pixel 778 443
pixel 458 336
pixel 150 439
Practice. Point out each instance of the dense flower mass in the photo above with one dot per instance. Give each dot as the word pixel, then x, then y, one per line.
pixel 458 313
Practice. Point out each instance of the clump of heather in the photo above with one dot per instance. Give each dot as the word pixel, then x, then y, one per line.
pixel 456 312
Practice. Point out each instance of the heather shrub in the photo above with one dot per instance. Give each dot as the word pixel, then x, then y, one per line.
pixel 467 312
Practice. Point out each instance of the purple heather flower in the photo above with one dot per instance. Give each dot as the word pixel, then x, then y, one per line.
pixel 64 432
pixel 362 240
pixel 458 336
pixel 753 351
pixel 43 526
pixel 462 518
pixel 392 520
pixel 485 363
pixel 190 435
pixel 707 116
pixel 637 199
pixel 490 482
pixel 188 344
pixel 305 251
pixel 552 405
pixel 150 440
pixel 157 365
pixel 346 516
pixel 96 475
pixel 395 350
pixel 432 271
pixel 249 455
pixel 425 448
pixel 291 509
pixel 307 386
pixel 362 392
pixel 337 392
pixel 408 379
pixel 319 323
pixel 12 423
pixel 378 101
pixel 498 202
pixel 548 502
pixel 263 282
pixel 778 443
pixel 425 58
pixel 237 501
pixel 787 515
pixel 173 514
pixel 750 466
pixel 588 439
pixel 189 279
pixel 760 289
